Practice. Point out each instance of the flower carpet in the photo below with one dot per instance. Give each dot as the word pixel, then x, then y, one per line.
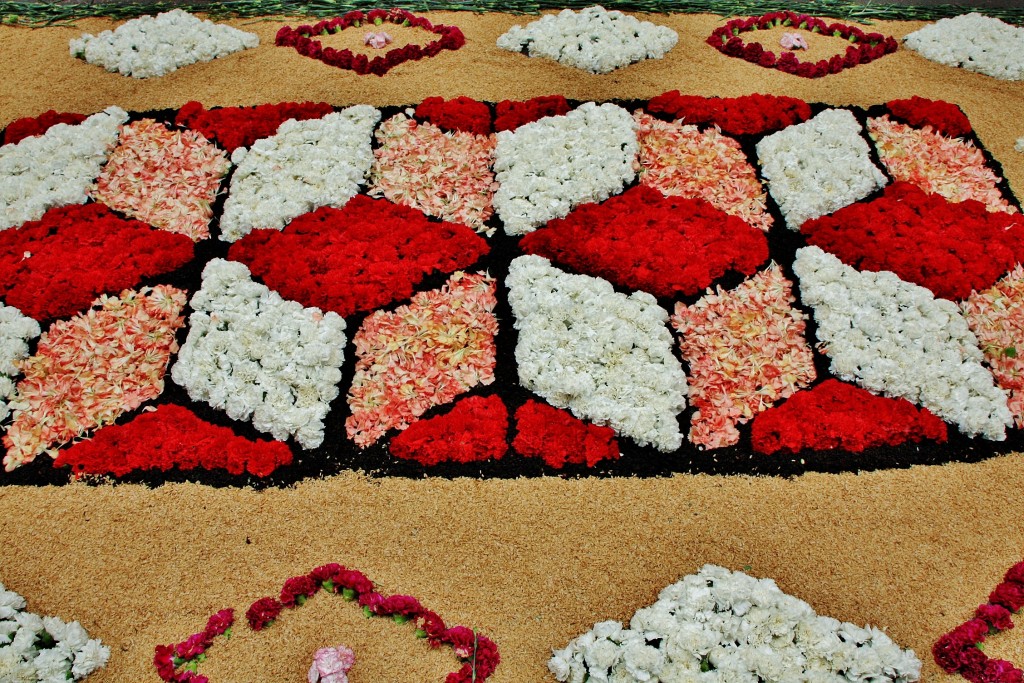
pixel 494 349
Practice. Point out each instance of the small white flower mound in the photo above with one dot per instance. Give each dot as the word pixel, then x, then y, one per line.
pixel 973 42
pixel 258 356
pixel 819 166
pixel 306 165
pixel 16 330
pixel 56 168
pixel 594 40
pixel 34 648
pixel 1019 145
pixel 546 168
pixel 604 355
pixel 897 339
pixel 156 46
pixel 719 626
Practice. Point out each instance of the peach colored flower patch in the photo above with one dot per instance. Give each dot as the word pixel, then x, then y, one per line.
pixel 162 177
pixel 92 368
pixel 422 355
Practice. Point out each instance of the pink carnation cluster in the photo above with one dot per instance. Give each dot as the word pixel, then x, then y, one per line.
pixel 746 350
pixel 950 167
pixel 680 160
pixel 162 177
pixel 446 175
pixel 422 355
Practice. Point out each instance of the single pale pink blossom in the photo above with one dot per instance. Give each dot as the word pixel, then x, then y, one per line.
pixel 793 41
pixel 331 665
pixel 377 40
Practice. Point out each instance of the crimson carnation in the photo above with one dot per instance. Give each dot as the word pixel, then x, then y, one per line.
pixel 559 438
pixel 462 114
pixel 839 415
pixel 327 572
pixel 403 605
pixel 262 612
pixel 219 622
pixel 194 646
pixel 997 617
pixel 950 248
pixel 432 626
pixel 944 117
pixel 1009 594
pixel 234 127
pixel 163 660
pixel 643 240
pixel 77 253
pixel 172 436
pixel 475 429
pixel 357 258
pixel 509 115
pixel 19 129
pixel 297 589
pixel 354 581
pixel 1015 573
pixel 1001 671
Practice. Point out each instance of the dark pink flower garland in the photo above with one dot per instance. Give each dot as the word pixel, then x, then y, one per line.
pixel 959 651
pixel 479 653
pixel 864 47
pixel 191 652
pixel 301 38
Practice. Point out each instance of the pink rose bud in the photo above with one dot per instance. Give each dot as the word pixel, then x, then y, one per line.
pixel 793 41
pixel 377 40
pixel 331 665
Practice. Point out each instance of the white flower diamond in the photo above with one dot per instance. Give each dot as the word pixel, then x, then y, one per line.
pixel 973 42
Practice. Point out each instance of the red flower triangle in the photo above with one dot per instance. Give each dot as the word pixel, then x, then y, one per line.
pixel 475 429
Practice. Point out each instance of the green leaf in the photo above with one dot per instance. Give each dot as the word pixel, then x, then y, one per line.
pixel 301 600
pixel 747 567
pixel 227 633
pixel 366 612
pixel 420 633
pixel 192 666
pixel 328 585
pixel 1010 352
pixel 177 661
pixel 201 657
pixel 378 21
pixel 348 594
pixel 400 618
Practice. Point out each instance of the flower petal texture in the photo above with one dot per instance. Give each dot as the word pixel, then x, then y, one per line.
pixel 165 178
pixel 475 429
pixel 745 628
pixel 445 175
pixel 306 165
pixel 421 355
pixel 746 350
pixel 234 127
pixel 16 331
pixel 546 168
pixel 260 357
pixel 897 339
pixel 680 160
pixel 560 439
pixel 644 240
pixel 605 356
pixel 155 46
pixel 593 39
pixel 818 166
pixel 90 369
pixel 360 257
pixel 974 42
pixel 56 168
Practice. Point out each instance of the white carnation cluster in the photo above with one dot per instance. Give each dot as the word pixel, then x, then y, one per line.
pixel 16 330
pixel 604 355
pixel 546 168
pixel 306 165
pixel 896 338
pixel 973 42
pixel 819 166
pixel 258 356
pixel 594 39
pixel 154 46
pixel 719 626
pixel 36 649
pixel 1019 145
pixel 56 168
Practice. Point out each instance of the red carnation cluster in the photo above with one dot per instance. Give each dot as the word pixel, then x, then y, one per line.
pixel 959 651
pixel 478 652
pixel 837 415
pixel 234 127
pixel 357 258
pixel 559 438
pixel 950 248
pixel 172 436
pixel 475 429
pixel 168 658
pixel 945 118
pixel 463 114
pixel 57 266
pixel 864 47
pixel 746 115
pixel 19 129
pixel 644 240
pixel 509 115
pixel 301 38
